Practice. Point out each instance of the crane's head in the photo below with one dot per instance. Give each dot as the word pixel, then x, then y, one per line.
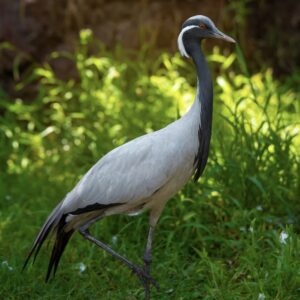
pixel 196 29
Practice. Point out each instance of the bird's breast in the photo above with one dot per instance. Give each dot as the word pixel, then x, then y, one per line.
pixel 179 170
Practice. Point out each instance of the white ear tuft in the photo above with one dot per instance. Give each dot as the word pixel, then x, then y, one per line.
pixel 180 40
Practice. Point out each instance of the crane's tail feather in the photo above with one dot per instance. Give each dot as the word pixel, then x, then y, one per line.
pixel 43 233
pixel 61 240
pixel 55 222
pixel 58 225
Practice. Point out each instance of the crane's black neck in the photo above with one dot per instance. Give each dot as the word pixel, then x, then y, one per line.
pixel 205 97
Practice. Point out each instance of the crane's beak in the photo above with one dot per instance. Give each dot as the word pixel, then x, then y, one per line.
pixel 220 35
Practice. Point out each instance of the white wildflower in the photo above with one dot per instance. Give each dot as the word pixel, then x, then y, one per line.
pixel 259 208
pixel 261 296
pixel 114 239
pixel 82 267
pixel 5 264
pixel 283 237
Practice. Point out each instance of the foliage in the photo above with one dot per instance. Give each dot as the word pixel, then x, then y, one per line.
pixel 235 235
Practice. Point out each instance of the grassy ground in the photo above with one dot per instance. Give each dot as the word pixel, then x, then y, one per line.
pixel 233 235
pixel 204 249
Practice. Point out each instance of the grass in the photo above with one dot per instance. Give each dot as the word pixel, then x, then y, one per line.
pixel 233 235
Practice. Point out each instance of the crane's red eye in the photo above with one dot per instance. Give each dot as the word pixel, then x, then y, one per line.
pixel 202 26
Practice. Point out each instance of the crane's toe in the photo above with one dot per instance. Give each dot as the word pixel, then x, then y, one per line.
pixel 144 277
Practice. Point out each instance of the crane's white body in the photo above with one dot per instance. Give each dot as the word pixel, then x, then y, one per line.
pixel 141 174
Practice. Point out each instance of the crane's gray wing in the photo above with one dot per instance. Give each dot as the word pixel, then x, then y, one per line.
pixel 128 173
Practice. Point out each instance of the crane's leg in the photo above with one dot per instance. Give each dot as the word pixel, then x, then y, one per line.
pixel 148 259
pixel 145 278
pixel 154 216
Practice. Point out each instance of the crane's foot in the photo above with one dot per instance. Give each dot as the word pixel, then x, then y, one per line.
pixel 146 281
pixel 145 278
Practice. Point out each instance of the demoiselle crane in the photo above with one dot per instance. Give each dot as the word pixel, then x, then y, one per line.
pixel 144 173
